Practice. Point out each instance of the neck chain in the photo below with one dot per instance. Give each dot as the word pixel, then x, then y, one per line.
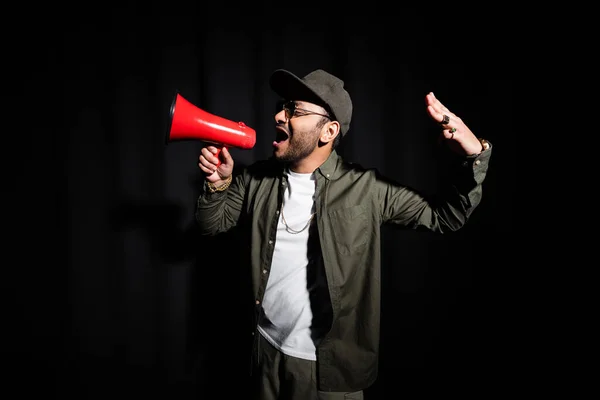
pixel 293 231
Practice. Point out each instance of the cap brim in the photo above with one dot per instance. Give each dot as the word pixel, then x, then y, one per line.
pixel 291 87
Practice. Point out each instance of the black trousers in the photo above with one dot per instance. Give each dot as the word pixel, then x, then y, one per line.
pixel 281 377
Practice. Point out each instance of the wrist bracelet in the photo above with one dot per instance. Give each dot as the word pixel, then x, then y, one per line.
pixel 484 146
pixel 212 188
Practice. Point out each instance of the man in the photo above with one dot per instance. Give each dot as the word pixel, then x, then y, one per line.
pixel 312 225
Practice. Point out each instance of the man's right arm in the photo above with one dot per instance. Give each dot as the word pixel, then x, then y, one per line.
pixel 219 206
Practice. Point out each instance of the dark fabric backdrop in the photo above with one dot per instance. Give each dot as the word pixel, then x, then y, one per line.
pixel 112 290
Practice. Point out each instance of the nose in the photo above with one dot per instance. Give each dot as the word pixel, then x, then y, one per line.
pixel 280 117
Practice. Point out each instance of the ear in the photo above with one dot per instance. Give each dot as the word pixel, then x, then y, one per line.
pixel 330 132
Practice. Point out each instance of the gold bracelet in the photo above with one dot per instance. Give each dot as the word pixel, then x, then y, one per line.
pixel 212 188
pixel 484 144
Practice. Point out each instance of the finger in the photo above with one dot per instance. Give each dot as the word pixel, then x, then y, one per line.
pixel 449 133
pixel 226 155
pixel 444 120
pixel 215 154
pixel 438 116
pixel 206 167
pixel 210 154
pixel 204 163
pixel 438 111
pixel 429 98
pixel 212 149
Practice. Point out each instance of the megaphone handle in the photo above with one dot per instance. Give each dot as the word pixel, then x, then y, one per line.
pixel 218 154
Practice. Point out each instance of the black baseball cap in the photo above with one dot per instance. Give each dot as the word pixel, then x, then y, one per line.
pixel 319 87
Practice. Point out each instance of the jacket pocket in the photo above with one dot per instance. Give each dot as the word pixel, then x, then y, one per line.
pixel 349 226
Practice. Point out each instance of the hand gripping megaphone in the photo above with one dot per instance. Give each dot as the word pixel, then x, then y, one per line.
pixel 188 122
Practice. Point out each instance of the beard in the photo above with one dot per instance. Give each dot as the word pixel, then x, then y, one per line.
pixel 300 145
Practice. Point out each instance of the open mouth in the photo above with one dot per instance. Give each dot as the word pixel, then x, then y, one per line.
pixel 281 134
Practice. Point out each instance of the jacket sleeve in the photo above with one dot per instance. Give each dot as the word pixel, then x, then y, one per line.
pixel 218 212
pixel 449 209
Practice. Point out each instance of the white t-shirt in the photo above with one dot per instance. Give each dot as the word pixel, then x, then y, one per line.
pixel 286 316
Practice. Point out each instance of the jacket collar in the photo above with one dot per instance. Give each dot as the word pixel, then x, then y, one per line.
pixel 328 168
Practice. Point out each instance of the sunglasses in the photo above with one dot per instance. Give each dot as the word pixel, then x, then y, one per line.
pixel 291 110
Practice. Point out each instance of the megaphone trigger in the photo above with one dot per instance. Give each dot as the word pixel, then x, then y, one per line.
pixel 218 154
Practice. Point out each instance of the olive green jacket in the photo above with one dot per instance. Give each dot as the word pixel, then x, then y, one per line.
pixel 351 205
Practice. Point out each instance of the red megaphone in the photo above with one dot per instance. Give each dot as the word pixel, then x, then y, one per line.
pixel 188 122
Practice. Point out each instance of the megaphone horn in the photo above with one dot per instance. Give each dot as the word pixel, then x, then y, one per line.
pixel 188 122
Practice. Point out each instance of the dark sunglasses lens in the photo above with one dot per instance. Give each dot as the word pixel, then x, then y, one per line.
pixel 290 108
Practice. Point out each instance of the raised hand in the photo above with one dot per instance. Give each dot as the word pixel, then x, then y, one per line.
pixel 455 132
